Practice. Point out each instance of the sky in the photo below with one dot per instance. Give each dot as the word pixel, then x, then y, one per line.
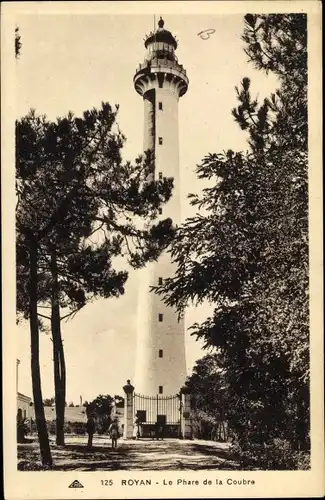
pixel 73 63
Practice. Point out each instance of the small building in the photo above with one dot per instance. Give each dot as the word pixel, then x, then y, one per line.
pixel 24 405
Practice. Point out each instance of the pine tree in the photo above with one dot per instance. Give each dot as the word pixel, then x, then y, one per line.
pixel 72 186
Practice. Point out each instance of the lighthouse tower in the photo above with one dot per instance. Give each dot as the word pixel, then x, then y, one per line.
pixel 161 81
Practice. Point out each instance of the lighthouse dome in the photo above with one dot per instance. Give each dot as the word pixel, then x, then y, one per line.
pixel 161 35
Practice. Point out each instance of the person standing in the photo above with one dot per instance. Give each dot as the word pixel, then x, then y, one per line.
pixel 159 430
pixel 162 431
pixel 114 433
pixel 136 432
pixel 91 426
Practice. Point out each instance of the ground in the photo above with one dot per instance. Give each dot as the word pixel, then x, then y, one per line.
pixel 171 454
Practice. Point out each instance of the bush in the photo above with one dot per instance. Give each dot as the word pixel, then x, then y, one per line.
pixel 69 427
pixel 206 425
pixel 103 423
pixel 31 466
pixel 22 430
pixel 303 460
pixel 33 426
pixel 51 426
pixel 77 428
pixel 276 455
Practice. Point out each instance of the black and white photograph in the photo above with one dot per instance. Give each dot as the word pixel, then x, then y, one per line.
pixel 161 206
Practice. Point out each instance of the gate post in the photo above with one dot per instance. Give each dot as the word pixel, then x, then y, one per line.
pixel 128 411
pixel 186 430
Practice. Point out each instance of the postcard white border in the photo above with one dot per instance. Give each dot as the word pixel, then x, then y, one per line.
pixel 54 485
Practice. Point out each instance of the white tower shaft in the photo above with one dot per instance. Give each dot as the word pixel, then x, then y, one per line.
pixel 160 357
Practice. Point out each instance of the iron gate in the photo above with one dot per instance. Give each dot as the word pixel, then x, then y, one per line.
pixel 152 410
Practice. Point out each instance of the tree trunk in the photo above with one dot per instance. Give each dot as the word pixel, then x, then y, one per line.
pixel 61 400
pixel 43 437
pixel 58 355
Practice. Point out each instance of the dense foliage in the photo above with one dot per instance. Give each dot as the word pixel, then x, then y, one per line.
pixel 248 254
pixel 49 401
pixel 101 407
pixel 209 399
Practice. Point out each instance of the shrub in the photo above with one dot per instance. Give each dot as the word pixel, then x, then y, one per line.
pixel 51 426
pixel 30 466
pixel 77 428
pixel 275 455
pixel 67 427
pixel 22 430
pixel 33 426
pixel 103 423
pixel 303 460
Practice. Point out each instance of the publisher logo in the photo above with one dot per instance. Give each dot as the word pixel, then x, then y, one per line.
pixel 76 484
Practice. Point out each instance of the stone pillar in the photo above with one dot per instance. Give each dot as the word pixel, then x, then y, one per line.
pixel 128 411
pixel 186 425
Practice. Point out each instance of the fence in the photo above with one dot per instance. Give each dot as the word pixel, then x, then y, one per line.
pixel 152 410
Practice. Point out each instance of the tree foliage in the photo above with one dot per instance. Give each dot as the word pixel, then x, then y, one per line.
pixel 249 254
pixel 49 401
pixel 209 398
pixel 71 182
pixel 101 407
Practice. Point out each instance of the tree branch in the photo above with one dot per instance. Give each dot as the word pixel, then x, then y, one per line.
pixel 42 316
pixel 72 313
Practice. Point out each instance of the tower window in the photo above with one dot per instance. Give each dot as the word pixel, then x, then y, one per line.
pixel 161 353
pixel 160 176
pixel 160 317
pixel 160 141
pixel 160 281
pixel 160 389
pixel 160 105
pixel 160 211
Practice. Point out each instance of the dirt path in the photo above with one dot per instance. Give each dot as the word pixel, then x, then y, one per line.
pixel 171 454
